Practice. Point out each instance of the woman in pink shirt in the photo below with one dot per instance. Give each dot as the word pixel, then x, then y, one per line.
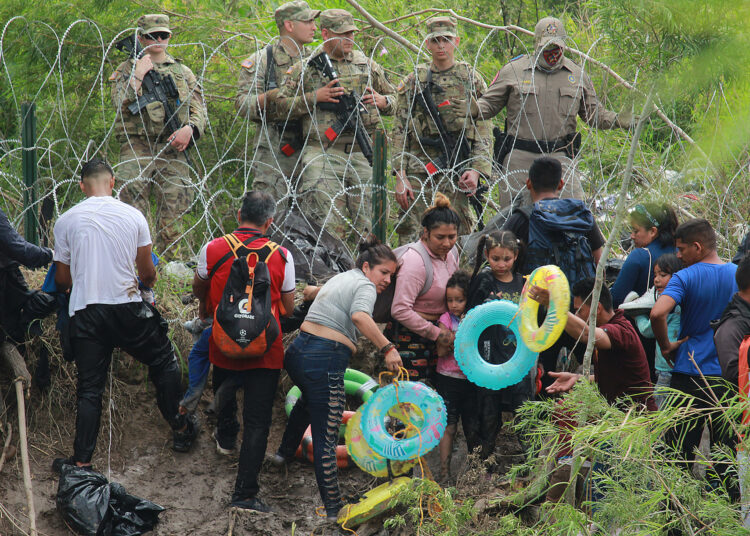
pixel 415 327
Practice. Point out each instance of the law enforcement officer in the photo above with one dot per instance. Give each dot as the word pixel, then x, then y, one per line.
pixel 151 157
pixel 277 146
pixel 336 177
pixel 421 159
pixel 543 93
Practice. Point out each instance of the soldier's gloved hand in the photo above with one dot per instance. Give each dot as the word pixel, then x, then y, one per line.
pixel 143 65
pixel 626 120
pixel 468 181
pixel 464 108
pixel 404 191
pixel 181 138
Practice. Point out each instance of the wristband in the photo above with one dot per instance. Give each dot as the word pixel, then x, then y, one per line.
pixel 387 348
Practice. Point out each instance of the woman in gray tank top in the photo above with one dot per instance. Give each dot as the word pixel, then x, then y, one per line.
pixel 317 360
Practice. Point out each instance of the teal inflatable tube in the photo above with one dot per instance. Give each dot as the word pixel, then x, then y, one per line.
pixel 431 430
pixel 478 370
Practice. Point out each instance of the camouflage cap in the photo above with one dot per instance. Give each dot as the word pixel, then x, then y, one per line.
pixel 441 26
pixel 153 23
pixel 549 31
pixel 295 10
pixel 338 21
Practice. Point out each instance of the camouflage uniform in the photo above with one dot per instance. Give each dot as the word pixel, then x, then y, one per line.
pixel 273 170
pixel 336 178
pixel 146 158
pixel 414 129
pixel 542 105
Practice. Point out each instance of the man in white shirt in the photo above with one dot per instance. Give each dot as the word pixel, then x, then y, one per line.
pixel 97 244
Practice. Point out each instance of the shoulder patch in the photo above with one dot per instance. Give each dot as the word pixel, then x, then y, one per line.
pixel 289 70
pixel 248 63
pixel 571 79
pixel 114 76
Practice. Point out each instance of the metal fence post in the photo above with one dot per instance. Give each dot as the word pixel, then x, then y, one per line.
pixel 379 200
pixel 28 140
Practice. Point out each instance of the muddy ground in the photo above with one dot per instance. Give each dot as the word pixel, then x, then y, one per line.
pixel 195 487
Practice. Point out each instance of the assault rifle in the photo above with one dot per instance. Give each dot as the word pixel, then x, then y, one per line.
pixel 157 87
pixel 455 152
pixel 347 110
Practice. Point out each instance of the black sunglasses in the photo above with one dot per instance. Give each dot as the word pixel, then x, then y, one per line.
pixel 157 36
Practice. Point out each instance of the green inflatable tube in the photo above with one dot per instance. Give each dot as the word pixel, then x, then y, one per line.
pixel 356 383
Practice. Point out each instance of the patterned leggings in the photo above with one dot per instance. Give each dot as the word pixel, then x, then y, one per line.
pixel 317 367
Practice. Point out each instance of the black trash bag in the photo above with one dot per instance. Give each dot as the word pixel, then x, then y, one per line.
pixel 92 506
pixel 318 255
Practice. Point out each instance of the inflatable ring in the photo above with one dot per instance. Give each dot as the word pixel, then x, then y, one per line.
pixel 356 383
pixel 375 502
pixel 305 449
pixel 367 459
pixel 423 398
pixel 476 369
pixel 539 338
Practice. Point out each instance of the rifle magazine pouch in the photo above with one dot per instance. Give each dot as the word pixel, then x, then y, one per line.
pixel 155 111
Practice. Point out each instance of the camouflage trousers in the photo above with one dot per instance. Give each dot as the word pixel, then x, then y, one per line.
pixel 512 184
pixel 335 192
pixel 274 172
pixel 167 179
pixel 409 226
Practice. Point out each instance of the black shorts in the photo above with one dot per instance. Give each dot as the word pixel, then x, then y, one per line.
pixel 459 396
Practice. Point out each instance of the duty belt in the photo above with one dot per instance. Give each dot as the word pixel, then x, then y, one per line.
pixel 542 146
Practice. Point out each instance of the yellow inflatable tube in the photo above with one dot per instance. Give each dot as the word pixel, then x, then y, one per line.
pixel 539 338
pixel 375 501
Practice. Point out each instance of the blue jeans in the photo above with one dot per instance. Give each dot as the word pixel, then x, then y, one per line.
pixel 317 366
pixel 198 366
pixel 663 379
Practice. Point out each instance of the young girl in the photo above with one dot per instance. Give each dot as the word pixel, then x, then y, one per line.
pixel 497 344
pixel 665 266
pixel 458 393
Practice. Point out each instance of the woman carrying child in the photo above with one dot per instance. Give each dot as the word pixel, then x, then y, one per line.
pixel 458 393
pixel 416 310
pixel 499 280
pixel 317 359
pixel 665 266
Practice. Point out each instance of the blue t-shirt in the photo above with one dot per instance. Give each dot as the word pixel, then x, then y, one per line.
pixel 638 271
pixel 702 291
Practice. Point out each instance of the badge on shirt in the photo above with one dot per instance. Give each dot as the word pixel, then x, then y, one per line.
pixel 289 70
pixel 571 79
pixel 114 76
pixel 248 63
pixel 400 86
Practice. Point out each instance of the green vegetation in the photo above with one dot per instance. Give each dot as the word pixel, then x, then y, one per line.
pixel 58 55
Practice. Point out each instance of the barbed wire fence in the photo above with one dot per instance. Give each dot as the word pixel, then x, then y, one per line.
pixel 76 120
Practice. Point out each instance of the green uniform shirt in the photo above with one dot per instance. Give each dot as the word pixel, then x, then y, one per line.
pixel 544 105
pixel 296 96
pixel 458 83
pixel 150 123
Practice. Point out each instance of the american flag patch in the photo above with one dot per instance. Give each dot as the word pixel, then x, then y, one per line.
pixel 248 63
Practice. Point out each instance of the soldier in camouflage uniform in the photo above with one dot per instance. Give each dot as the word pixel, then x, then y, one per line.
pixel 277 146
pixel 544 92
pixel 151 160
pixel 336 177
pixel 419 156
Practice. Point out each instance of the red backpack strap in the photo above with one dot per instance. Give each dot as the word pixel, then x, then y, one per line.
pixel 231 239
